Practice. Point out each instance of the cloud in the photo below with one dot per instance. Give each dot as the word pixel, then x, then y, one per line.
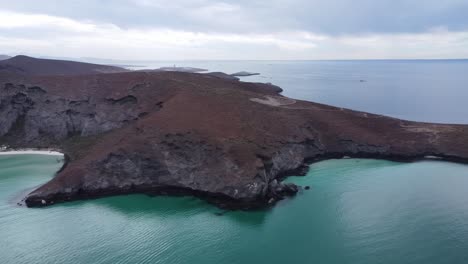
pixel 329 17
pixel 437 43
pixel 45 34
pixel 13 20
pixel 94 39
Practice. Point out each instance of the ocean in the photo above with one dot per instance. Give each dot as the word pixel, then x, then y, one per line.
pixel 417 90
pixel 357 211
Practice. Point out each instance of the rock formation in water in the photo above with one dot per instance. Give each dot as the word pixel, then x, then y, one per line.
pixel 174 133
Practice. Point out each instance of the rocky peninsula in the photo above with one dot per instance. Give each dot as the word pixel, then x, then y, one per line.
pixel 173 133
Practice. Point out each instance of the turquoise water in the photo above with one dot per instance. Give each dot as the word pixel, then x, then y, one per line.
pixel 357 211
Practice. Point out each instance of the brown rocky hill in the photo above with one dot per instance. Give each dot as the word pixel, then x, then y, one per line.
pixel 33 66
pixel 226 141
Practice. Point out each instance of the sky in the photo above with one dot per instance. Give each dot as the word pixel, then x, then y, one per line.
pixel 238 30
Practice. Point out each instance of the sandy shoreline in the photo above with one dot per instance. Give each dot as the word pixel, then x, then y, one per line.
pixel 30 151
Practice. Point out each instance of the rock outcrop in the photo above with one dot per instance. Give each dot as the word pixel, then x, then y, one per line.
pixel 225 141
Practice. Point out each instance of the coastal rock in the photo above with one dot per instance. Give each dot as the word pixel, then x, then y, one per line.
pixel 172 133
pixel 35 116
pixel 244 74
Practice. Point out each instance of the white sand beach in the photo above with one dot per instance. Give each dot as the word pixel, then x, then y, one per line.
pixel 31 151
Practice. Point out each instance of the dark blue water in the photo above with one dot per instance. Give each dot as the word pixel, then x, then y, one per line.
pixel 430 90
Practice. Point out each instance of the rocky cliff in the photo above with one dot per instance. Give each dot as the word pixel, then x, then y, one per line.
pixel 226 141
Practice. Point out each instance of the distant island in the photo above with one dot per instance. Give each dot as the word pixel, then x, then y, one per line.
pixel 177 133
pixel 244 74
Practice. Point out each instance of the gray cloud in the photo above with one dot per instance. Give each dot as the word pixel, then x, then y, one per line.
pixel 211 29
pixel 320 16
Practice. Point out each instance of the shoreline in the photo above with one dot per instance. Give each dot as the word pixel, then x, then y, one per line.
pixel 30 152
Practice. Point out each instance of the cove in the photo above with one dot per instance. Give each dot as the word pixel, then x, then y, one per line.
pixel 357 211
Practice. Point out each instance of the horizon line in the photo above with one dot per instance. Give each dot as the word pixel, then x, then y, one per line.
pixel 154 60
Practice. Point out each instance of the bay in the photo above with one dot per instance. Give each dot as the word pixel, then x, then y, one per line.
pixel 357 211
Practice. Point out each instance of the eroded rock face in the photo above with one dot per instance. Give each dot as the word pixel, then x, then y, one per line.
pixel 34 115
pixel 226 141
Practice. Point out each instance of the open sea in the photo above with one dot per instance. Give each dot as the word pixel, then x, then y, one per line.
pixel 357 211
pixel 419 90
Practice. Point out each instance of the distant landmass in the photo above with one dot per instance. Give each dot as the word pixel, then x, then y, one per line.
pixel 4 57
pixel 244 74
pixel 33 66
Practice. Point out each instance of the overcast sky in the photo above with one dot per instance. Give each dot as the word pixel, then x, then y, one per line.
pixel 244 29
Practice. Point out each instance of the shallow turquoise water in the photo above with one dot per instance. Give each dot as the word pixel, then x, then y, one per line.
pixel 357 211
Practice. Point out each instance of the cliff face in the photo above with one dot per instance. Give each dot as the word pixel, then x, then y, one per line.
pixel 178 133
pixel 32 115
